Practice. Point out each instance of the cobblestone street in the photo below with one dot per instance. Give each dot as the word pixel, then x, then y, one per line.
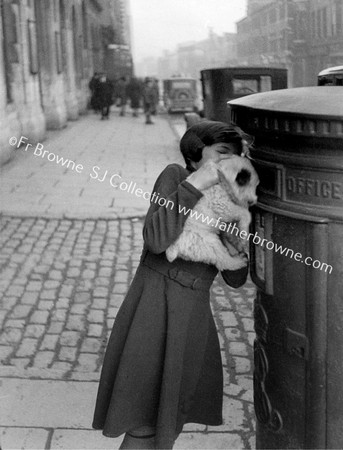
pixel 69 247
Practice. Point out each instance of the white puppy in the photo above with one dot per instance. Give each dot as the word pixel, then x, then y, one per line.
pixel 203 238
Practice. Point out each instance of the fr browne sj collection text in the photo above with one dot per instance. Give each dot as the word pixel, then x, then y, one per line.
pixel 95 172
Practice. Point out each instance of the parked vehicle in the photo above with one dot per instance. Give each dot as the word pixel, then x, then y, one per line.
pixel 333 76
pixel 224 84
pixel 180 94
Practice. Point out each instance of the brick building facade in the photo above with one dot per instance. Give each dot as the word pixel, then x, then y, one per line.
pixel 305 36
pixel 325 34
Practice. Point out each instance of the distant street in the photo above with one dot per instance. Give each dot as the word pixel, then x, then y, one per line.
pixel 70 242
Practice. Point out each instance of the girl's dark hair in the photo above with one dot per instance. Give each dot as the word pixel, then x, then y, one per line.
pixel 204 133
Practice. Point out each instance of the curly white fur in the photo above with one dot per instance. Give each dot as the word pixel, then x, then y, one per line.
pixel 227 202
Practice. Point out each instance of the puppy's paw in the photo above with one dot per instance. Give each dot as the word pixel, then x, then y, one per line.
pixel 234 244
pixel 232 263
pixel 239 261
pixel 231 248
pixel 171 253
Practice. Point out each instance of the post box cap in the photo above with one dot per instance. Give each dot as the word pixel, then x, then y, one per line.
pixel 307 101
pixel 310 113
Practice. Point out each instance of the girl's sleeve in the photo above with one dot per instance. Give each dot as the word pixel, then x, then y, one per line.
pixel 236 278
pixel 163 224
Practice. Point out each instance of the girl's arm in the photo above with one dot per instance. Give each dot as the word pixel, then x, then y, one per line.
pixel 163 224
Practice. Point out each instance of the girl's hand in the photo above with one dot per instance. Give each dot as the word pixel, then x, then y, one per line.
pixel 205 177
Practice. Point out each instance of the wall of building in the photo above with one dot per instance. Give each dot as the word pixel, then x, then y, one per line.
pixel 49 50
pixel 305 36
pixel 190 58
pixel 265 37
pixel 253 5
pixel 325 33
pixel 21 110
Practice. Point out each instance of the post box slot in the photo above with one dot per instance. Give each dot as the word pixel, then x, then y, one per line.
pixel 296 344
pixel 268 179
pixel 271 175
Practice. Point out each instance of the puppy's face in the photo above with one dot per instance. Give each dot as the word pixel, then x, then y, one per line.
pixel 239 179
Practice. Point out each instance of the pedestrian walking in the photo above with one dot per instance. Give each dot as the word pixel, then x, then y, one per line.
pixel 93 87
pixel 121 95
pixel 157 93
pixel 134 94
pixel 150 98
pixel 162 367
pixel 104 93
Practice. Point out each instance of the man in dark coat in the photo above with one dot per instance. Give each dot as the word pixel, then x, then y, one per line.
pixel 134 93
pixel 93 87
pixel 150 97
pixel 121 95
pixel 104 95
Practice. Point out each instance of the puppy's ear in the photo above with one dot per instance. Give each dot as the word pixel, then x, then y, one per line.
pixel 223 167
pixel 243 177
pixel 221 176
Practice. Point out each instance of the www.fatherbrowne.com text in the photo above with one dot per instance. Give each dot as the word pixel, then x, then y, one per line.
pixel 155 197
pixel 256 239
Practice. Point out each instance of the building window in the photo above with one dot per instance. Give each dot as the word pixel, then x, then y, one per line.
pixel 282 12
pixel 56 9
pixel 313 24
pixel 338 17
pixel 324 22
pixel 333 20
pixel 319 25
pixel 273 43
pixel 300 25
pixel 272 15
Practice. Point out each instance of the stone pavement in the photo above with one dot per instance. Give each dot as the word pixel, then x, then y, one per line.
pixel 69 246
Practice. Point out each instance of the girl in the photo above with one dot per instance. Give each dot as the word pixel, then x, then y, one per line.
pixel 162 366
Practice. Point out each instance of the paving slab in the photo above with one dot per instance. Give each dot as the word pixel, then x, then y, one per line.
pixel 207 441
pixel 47 403
pixel 24 438
pixel 66 439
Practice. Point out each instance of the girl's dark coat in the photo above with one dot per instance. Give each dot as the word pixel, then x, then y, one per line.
pixel 163 365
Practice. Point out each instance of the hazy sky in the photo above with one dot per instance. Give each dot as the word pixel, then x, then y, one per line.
pixel 162 24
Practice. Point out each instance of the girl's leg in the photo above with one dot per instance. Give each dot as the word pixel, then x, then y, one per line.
pixel 123 108
pixel 140 438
